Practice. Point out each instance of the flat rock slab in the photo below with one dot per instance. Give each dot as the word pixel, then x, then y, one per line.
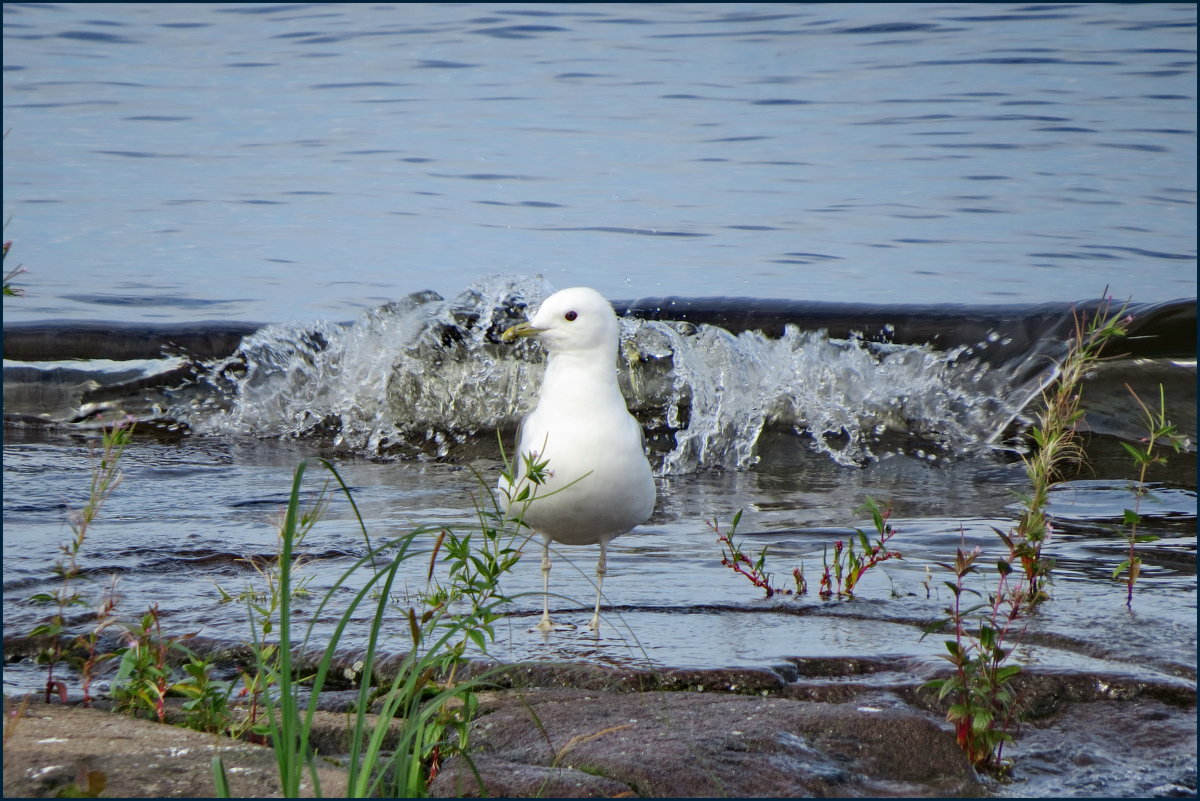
pixel 578 743
pixel 48 747
pixel 567 741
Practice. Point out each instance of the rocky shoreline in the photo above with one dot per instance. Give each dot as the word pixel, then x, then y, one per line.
pixel 586 731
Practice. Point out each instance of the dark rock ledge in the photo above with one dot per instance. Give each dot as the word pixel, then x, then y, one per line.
pixel 820 727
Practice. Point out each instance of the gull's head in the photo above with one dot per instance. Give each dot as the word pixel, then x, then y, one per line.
pixel 578 319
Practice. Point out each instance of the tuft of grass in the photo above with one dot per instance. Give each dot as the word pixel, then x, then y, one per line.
pixel 88 784
pixel 425 693
pixel 14 717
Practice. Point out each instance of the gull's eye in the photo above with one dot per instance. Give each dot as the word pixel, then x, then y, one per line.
pixel 571 315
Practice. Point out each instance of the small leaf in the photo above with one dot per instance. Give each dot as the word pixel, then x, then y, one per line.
pixel 862 537
pixel 1007 672
pixel 987 637
pixel 1137 454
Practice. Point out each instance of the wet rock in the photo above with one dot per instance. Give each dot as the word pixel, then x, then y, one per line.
pixel 1113 748
pixel 507 779
pixel 743 681
pixel 1042 694
pixel 578 730
pixel 689 744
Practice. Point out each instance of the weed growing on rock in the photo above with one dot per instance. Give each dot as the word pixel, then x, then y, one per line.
pixel 733 557
pixel 981 707
pixel 982 702
pixel 421 692
pixel 1159 431
pixel 1055 444
pixel 207 706
pixel 93 657
pixel 839 577
pixel 143 678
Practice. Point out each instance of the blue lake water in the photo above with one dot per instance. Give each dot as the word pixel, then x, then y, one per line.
pixel 275 162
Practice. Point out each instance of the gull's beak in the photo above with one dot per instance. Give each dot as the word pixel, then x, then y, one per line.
pixel 520 330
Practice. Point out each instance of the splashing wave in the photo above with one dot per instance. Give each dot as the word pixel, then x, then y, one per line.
pixel 426 375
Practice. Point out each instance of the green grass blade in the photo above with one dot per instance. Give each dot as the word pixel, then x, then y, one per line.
pixel 220 780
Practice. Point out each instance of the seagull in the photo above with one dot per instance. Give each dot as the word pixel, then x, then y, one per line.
pixel 596 482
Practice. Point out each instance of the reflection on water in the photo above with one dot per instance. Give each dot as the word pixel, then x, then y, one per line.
pixel 181 161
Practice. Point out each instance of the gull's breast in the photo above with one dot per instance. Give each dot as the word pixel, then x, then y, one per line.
pixel 599 482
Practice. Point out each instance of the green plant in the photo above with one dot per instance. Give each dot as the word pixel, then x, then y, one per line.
pixel 1054 437
pixel 143 677
pixel 9 289
pixel 89 784
pixel 848 566
pixel 734 558
pixel 105 478
pixel 1159 430
pixel 207 705
pixel 838 579
pixel 982 702
pixel 14 717
pixel 434 708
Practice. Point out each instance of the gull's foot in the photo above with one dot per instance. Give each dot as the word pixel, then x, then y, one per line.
pixel 546 626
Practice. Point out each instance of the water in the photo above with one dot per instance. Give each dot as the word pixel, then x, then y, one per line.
pixel 317 167
pixel 795 431
pixel 308 161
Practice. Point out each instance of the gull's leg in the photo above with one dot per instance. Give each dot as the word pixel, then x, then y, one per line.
pixel 545 625
pixel 601 570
